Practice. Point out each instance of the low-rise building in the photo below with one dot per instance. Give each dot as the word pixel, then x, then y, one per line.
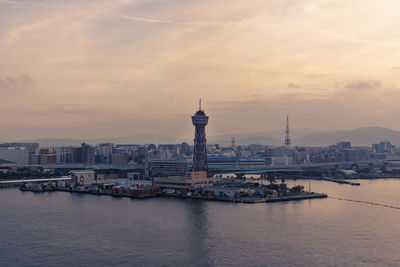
pixel 167 167
pixel 84 177
pixel 195 179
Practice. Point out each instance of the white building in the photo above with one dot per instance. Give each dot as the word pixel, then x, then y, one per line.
pixel 134 179
pixel 85 177
pixel 279 161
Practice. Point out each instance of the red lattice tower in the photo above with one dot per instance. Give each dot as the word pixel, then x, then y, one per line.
pixel 288 142
pixel 200 120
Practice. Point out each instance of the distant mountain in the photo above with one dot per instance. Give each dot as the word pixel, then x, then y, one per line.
pixel 272 138
pixel 358 137
pixel 134 139
pixel 54 142
pixel 262 140
pixel 301 136
pixel 138 139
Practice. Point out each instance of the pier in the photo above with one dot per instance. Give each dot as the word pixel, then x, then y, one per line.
pixel 17 183
pixel 340 181
pixel 264 200
pixel 154 193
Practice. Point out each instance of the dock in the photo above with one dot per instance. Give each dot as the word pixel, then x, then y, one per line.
pixel 339 181
pixel 248 200
pixel 19 182
pixel 253 200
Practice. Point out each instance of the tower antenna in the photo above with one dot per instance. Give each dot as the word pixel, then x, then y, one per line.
pixel 200 104
pixel 288 141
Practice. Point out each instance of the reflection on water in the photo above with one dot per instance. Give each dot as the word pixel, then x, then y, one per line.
pixel 59 229
pixel 197 235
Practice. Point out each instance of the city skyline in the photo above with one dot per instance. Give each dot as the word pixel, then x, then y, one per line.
pixel 199 133
pixel 89 69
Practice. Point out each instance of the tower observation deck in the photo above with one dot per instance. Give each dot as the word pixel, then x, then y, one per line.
pixel 200 120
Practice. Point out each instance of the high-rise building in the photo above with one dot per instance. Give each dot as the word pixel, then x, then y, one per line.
pixel 84 154
pixel 64 154
pixel 186 149
pixel 44 156
pixel 383 147
pixel 31 147
pixel 143 152
pixel 17 152
pixel 118 159
pixel 87 154
pixel 106 150
pixel 19 155
pixel 343 145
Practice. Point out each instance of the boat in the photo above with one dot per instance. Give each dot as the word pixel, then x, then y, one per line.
pixel 23 187
pixel 32 187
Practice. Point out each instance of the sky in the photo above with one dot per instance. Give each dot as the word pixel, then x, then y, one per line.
pixel 99 68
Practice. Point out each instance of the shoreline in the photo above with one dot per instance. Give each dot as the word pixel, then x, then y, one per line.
pixel 18 182
pixel 247 200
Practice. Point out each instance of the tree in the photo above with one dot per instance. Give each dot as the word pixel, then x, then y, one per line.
pixel 271 179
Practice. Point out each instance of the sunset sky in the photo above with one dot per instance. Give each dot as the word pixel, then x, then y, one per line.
pixel 86 69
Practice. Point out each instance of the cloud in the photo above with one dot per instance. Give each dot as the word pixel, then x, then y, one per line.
pixel 293 85
pixel 15 33
pixel 363 85
pixel 72 109
pixel 8 2
pixel 13 84
pixel 128 58
pixel 140 19
pixel 325 113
